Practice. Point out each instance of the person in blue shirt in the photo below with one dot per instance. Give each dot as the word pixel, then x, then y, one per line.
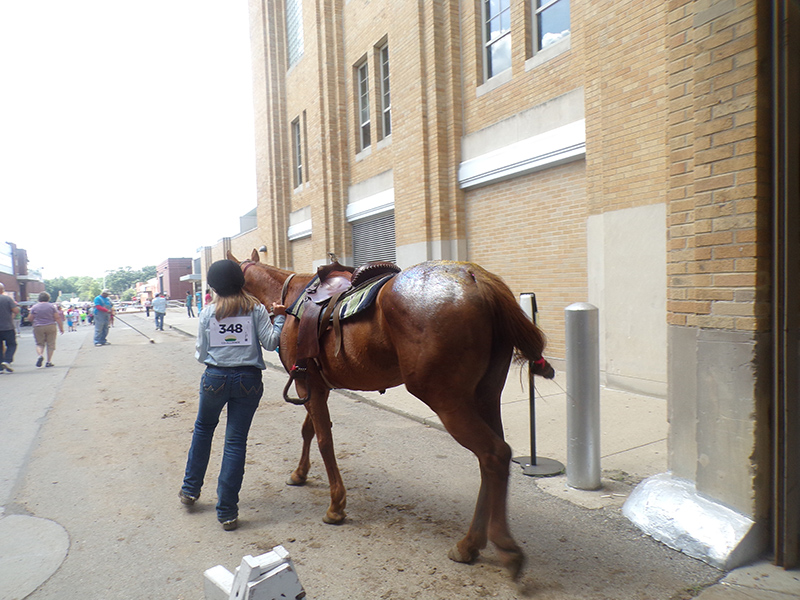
pixel 230 335
pixel 189 310
pixel 103 318
pixel 160 310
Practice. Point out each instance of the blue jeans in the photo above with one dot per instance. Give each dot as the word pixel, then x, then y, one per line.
pixel 9 338
pixel 160 321
pixel 101 321
pixel 241 389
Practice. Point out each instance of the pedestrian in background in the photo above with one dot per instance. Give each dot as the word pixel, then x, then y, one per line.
pixel 103 318
pixel 230 335
pixel 189 310
pixel 46 320
pixel 70 320
pixel 160 309
pixel 147 305
pixel 8 334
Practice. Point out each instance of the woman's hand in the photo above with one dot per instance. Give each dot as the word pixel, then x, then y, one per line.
pixel 278 309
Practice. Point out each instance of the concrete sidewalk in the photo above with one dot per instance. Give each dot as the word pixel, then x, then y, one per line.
pixel 633 447
pixel 31 549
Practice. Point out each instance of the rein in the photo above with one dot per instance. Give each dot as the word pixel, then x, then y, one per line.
pixel 295 371
pixel 286 288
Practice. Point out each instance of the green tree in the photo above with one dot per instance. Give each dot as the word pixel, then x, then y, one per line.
pixel 121 282
pixel 88 288
pixel 61 288
pixel 148 273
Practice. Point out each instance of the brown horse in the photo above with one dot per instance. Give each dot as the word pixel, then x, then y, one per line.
pixel 448 331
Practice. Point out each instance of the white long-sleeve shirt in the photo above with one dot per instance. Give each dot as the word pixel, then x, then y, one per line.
pixel 236 341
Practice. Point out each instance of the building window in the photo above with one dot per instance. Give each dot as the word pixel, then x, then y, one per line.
pixel 362 76
pixel 386 99
pixel 497 36
pixel 294 30
pixel 550 22
pixel 297 152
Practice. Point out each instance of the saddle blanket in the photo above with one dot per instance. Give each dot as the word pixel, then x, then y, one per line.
pixel 352 302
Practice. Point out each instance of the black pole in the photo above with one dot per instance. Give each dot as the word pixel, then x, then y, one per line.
pixel 532 411
pixel 533 465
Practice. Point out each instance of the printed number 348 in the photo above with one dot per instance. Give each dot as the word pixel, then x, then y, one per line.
pixel 237 328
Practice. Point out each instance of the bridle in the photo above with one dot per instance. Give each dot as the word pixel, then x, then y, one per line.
pixel 246 264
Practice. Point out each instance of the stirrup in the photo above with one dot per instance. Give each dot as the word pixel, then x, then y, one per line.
pixel 294 372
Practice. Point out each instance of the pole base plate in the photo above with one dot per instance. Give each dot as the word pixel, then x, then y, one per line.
pixel 544 467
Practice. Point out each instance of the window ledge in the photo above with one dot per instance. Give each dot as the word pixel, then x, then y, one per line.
pixel 376 204
pixel 494 83
pixel 300 230
pixel 549 149
pixel 387 141
pixel 301 187
pixel 364 153
pixel 549 53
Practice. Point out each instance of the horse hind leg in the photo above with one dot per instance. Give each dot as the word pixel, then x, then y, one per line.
pixel 490 519
pixel 468 549
pixel 300 474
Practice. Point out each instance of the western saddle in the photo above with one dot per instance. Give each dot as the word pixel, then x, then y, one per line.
pixel 317 309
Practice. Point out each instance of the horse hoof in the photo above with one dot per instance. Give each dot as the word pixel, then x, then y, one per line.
pixel 332 518
pixel 457 555
pixel 513 562
pixel 295 480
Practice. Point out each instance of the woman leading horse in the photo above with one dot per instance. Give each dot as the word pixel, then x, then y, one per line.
pixel 447 330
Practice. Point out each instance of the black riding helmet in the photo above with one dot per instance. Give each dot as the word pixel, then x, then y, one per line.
pixel 225 277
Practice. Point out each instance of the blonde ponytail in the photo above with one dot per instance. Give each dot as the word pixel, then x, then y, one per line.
pixel 235 306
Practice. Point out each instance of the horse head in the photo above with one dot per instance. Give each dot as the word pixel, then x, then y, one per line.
pixel 267 283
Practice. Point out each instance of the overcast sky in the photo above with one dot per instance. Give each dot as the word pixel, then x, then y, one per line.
pixel 126 130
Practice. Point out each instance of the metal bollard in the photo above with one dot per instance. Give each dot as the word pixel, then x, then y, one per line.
pixel 583 396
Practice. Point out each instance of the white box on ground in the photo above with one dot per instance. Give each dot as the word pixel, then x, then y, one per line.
pixel 218 583
pixel 269 576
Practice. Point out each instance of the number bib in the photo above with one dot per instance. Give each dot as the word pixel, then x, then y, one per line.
pixel 231 331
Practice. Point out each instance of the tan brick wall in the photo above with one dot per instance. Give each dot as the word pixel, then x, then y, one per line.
pixel 302 257
pixel 626 104
pixel 242 245
pixel 718 230
pixel 536 242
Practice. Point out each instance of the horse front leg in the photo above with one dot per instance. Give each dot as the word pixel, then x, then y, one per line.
pixel 300 474
pixel 321 419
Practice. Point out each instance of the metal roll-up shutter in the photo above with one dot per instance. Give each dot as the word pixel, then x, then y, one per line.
pixel 373 239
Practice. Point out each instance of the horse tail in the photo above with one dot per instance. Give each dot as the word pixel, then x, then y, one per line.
pixel 510 324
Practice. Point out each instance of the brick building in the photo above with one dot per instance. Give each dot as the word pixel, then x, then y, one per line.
pixel 20 282
pixel 168 278
pixel 632 154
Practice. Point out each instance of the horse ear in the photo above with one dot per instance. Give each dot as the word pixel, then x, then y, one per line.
pixel 230 256
pixel 254 256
